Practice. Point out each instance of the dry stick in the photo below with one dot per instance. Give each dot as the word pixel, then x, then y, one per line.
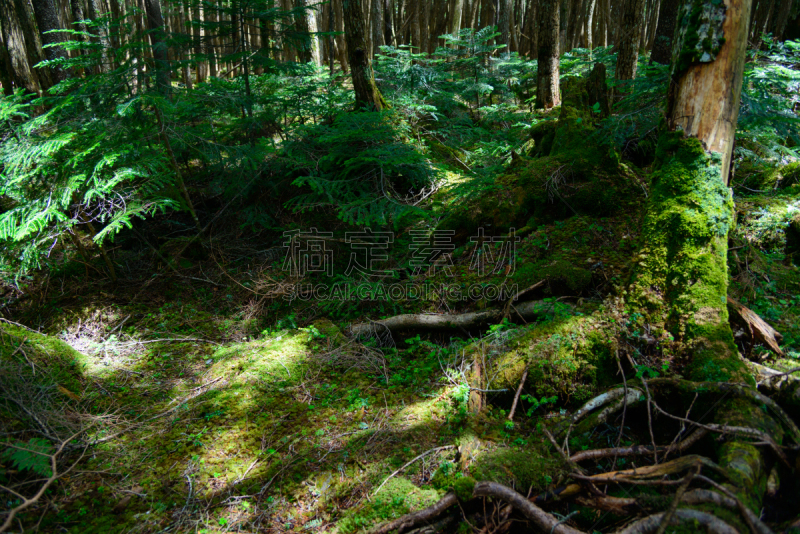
pixel 725 429
pixel 696 518
pixel 650 421
pixel 26 503
pixel 507 311
pixel 516 396
pixel 574 466
pixel 624 405
pixel 412 461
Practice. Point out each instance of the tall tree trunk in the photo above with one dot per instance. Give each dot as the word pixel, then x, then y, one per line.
pixel 6 68
pixel 782 18
pixel 454 25
pixel 388 22
pixel 158 40
pixel 662 45
pixel 631 28
pixel 690 211
pixel 504 25
pixel 761 21
pixel 547 95
pixel 367 94
pixel 425 25
pixel 687 237
pixel 341 42
pixel 377 26
pixel 20 46
pixel 588 29
pixel 413 8
pixel 441 22
pixel 47 20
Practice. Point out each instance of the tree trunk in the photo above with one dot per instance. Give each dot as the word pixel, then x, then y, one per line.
pixel 341 42
pixel 6 69
pixel 782 18
pixel 377 26
pixel 662 45
pixel 690 207
pixel 455 17
pixel 630 28
pixel 46 13
pixel 158 40
pixel 547 95
pixel 690 211
pixel 413 8
pixel 367 94
pixel 504 25
pixel 589 21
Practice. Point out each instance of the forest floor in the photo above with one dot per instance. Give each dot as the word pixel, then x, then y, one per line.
pixel 232 411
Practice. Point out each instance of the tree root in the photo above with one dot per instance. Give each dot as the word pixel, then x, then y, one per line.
pixel 639 450
pixel 543 521
pixel 422 322
pixel 712 524
pixel 740 391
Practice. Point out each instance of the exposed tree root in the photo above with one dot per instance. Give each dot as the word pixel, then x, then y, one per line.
pixel 542 520
pixel 712 524
pixel 639 450
pixel 425 323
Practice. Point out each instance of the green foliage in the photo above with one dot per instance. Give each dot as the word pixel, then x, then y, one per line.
pixel 769 127
pixel 33 456
pixel 363 165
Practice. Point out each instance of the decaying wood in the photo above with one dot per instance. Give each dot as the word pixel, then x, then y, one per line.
pixel 758 328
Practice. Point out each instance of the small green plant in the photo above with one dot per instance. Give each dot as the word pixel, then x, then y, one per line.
pixel 33 455
pixel 537 403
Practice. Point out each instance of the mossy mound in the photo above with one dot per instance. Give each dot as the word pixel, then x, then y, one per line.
pixel 568 357
pixel 41 357
pixel 561 176
pixel 520 467
pixel 396 498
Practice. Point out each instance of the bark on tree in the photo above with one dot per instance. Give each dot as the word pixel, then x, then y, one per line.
pixel 341 44
pixel 662 45
pixel 547 95
pixel 377 26
pixel 46 13
pixel 504 25
pixel 367 94
pixel 158 40
pixel 686 255
pixel 782 18
pixel 690 211
pixel 454 25
pixel 630 33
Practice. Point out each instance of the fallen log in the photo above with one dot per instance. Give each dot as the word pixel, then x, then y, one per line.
pixel 530 310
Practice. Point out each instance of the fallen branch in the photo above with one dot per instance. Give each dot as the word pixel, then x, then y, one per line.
pixel 429 322
pixel 758 328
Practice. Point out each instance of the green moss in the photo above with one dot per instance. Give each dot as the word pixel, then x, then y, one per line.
pixel 397 498
pixel 684 258
pixel 42 355
pixel 521 468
